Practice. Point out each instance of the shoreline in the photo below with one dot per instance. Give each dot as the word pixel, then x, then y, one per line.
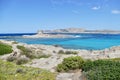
pixel 111 50
pixel 50 63
pixel 56 45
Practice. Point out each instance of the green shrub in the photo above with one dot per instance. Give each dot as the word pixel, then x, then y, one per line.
pixel 103 73
pixel 67 52
pixel 18 61
pixel 61 52
pixel 70 63
pixel 61 68
pixel 102 70
pixel 87 65
pixel 5 49
pixel 11 58
pixel 54 51
pixel 71 52
pixel 14 42
pixel 93 64
pixel 43 56
pixel 21 60
pixel 26 52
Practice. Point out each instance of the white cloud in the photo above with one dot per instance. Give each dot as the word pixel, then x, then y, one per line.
pixel 116 11
pixel 95 7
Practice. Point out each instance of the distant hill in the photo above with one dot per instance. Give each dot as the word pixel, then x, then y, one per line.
pixel 70 30
pixel 80 30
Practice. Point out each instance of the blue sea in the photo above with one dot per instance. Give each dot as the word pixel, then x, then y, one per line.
pixel 81 41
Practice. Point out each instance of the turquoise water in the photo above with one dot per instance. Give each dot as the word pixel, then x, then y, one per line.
pixel 81 41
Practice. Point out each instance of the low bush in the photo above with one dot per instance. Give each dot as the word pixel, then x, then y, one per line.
pixel 11 58
pixel 70 63
pixel 43 56
pixel 5 49
pixel 88 65
pixel 18 61
pixel 22 60
pixel 62 68
pixel 102 70
pixel 54 51
pixel 67 52
pixel 61 52
pixel 25 51
pixel 71 52
pixel 28 53
pixel 14 42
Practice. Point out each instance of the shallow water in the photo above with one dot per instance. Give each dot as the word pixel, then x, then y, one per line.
pixel 81 41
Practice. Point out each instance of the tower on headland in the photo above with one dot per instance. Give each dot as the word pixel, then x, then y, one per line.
pixel 40 32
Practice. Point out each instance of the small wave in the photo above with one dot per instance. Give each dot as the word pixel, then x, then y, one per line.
pixel 77 36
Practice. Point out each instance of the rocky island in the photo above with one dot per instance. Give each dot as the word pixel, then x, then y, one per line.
pixel 41 34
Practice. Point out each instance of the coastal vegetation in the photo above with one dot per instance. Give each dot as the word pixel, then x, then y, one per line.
pixel 30 54
pixel 11 71
pixel 5 49
pixel 67 52
pixel 70 63
pixel 25 51
pixel 15 42
pixel 25 56
pixel 102 70
pixel 106 69
pixel 11 58
pixel 18 60
pixel 21 60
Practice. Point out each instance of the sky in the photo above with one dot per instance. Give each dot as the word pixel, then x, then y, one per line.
pixel 27 16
